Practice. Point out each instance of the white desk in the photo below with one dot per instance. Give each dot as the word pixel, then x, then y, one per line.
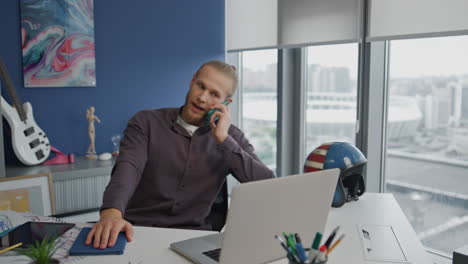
pixel 377 209
pixel 151 245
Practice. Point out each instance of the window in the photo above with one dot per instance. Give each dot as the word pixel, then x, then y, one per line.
pixel 259 102
pixel 427 138
pixel 331 94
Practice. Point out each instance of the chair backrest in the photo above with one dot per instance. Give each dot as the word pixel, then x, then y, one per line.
pixel 218 213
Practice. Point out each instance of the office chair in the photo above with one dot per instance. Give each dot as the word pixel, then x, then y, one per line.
pixel 218 212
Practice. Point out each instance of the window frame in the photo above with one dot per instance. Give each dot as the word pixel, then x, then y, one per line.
pixel 291 102
pixel 372 112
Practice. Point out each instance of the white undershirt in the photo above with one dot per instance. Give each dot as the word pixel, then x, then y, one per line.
pixel 190 128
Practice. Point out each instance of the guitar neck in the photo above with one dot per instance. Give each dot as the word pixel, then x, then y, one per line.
pixel 11 91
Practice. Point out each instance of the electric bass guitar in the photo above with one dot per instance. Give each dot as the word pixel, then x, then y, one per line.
pixel 30 143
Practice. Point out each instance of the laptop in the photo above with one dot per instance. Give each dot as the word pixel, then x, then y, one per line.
pixel 259 211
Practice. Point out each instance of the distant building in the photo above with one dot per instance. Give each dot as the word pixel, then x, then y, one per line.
pixel 458 133
pixel 459 103
pixel 464 106
pixel 329 79
pixel 437 112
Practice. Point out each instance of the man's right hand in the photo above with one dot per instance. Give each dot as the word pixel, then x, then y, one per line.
pixel 105 232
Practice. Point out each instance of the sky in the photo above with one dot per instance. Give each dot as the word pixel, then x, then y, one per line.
pixel 408 58
pixel 430 56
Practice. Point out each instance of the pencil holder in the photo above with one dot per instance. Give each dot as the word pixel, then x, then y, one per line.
pixel 316 262
pixel 307 253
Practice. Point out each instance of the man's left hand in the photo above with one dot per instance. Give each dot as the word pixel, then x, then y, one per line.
pixel 220 129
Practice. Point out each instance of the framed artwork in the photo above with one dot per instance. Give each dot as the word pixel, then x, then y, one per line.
pixel 32 193
pixel 58 43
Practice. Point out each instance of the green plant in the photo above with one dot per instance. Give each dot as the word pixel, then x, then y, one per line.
pixel 41 251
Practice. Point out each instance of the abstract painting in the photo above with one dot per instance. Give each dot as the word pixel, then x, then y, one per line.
pixel 58 43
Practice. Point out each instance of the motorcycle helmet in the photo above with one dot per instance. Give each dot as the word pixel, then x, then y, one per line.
pixel 349 160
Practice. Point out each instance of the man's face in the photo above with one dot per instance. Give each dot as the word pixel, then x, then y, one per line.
pixel 208 88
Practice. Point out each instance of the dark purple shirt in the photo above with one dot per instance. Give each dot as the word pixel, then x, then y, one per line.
pixel 164 177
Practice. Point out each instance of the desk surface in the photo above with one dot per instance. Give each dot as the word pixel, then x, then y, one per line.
pixel 151 245
pixel 374 209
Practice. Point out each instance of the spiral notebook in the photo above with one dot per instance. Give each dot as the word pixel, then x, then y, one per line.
pixel 79 248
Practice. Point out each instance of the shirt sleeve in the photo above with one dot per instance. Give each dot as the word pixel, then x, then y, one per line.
pixel 241 158
pixel 129 165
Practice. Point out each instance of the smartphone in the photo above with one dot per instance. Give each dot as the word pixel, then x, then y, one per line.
pixel 212 111
pixel 30 232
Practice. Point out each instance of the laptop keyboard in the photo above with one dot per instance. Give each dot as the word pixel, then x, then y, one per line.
pixel 213 254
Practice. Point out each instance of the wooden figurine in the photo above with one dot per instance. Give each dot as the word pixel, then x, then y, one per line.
pixel 91 153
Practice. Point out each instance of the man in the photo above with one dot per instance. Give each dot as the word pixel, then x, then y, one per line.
pixel 171 166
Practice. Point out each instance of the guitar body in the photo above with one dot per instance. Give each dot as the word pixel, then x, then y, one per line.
pixel 30 143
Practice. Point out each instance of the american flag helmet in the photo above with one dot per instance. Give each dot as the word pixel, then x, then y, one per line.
pixel 349 160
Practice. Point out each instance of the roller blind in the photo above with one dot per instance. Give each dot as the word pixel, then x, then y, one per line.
pixel 251 24
pixel 304 22
pixel 255 24
pixel 396 19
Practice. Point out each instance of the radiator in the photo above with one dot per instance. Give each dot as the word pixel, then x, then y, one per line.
pixel 79 193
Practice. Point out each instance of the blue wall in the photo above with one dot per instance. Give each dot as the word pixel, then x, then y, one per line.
pixel 146 54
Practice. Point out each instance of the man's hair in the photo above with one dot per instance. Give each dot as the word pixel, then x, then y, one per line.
pixel 227 69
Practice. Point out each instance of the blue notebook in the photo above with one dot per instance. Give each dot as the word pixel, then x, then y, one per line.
pixel 80 249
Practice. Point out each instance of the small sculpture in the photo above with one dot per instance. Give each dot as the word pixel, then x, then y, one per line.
pixel 91 153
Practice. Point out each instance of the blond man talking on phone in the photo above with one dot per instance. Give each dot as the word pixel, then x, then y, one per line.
pixel 171 165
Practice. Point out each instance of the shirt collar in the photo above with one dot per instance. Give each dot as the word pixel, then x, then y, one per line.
pixel 190 128
pixel 179 128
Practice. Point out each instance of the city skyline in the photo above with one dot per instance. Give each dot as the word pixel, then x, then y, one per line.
pixel 443 56
pixel 324 78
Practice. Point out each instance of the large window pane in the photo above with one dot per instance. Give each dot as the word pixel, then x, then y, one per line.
pixel 427 137
pixel 259 102
pixel 331 94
